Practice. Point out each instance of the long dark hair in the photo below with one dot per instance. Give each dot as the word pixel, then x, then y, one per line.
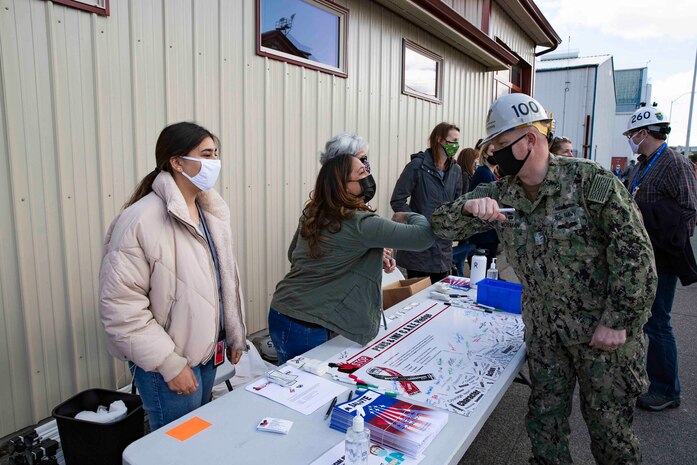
pixel 466 160
pixel 440 132
pixel 176 140
pixel 330 203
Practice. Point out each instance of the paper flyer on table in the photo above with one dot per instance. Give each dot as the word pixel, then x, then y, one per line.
pixel 445 356
pixel 306 395
pixel 379 455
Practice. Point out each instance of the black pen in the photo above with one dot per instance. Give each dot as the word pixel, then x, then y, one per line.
pixel 331 406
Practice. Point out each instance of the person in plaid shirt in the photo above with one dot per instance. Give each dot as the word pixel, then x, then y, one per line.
pixel 665 189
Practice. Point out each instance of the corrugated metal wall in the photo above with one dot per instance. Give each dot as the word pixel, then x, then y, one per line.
pixel 604 129
pixel 506 29
pixel 471 10
pixel 571 107
pixel 83 98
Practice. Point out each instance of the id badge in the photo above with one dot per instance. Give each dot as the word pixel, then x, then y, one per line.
pixel 219 356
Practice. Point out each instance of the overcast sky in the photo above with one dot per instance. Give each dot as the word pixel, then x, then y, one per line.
pixel 637 32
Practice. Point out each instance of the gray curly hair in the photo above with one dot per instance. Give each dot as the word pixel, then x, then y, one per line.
pixel 342 144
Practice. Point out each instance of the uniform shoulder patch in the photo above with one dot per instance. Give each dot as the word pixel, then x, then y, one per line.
pixel 600 188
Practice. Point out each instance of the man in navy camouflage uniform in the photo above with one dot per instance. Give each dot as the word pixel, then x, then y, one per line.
pixel 577 243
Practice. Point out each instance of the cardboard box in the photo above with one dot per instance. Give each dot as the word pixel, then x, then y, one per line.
pixel 394 293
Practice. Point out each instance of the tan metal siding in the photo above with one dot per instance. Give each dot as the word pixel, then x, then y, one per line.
pixel 471 10
pixel 15 403
pixel 506 29
pixel 83 100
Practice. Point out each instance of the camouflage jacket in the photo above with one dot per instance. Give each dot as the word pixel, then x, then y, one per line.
pixel 580 249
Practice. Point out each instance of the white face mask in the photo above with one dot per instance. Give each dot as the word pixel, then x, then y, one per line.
pixel 207 176
pixel 634 146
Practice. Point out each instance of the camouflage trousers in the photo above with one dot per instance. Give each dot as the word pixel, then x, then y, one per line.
pixel 609 384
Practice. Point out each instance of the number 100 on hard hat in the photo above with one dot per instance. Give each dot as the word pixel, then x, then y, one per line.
pixel 513 111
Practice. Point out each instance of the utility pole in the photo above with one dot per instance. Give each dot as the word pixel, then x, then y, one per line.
pixel 692 101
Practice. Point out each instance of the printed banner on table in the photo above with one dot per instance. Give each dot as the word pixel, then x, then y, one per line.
pixel 442 355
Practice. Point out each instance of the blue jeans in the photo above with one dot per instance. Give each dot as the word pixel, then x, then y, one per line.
pixel 293 337
pixel 662 356
pixel 163 405
pixel 460 253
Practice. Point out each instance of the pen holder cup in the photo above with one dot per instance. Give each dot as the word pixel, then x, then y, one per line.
pixel 500 295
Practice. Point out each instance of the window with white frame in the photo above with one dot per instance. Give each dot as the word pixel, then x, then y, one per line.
pixel 310 33
pixel 422 72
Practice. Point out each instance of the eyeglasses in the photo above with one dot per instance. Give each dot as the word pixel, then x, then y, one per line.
pixel 633 133
pixel 366 164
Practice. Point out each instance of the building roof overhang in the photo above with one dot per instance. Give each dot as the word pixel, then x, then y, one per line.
pixel 444 22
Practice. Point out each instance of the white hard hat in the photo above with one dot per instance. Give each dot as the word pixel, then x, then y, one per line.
pixel 650 118
pixel 512 111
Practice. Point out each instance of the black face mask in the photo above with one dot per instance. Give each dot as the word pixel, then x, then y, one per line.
pixel 508 164
pixel 491 160
pixel 367 187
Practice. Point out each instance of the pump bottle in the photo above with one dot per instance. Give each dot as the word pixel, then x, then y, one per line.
pixel 357 441
pixel 492 272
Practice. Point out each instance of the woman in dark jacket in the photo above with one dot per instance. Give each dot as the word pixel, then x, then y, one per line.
pixel 489 240
pixel 429 180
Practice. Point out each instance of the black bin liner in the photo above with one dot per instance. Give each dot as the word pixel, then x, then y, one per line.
pixel 88 443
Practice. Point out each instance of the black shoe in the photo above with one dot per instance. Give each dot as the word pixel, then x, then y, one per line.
pixel 656 402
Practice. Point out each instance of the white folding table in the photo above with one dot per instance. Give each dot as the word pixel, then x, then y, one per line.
pixel 233 438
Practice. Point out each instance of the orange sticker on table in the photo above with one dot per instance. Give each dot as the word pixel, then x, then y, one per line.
pixel 188 428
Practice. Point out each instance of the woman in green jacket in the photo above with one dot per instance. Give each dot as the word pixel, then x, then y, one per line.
pixel 334 283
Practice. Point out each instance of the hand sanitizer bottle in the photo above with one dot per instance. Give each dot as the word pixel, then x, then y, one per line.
pixel 478 267
pixel 357 441
pixel 492 272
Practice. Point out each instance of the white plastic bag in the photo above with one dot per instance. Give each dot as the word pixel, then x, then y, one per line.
pixel 250 367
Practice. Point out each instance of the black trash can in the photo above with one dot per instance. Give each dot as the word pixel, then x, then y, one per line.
pixel 88 443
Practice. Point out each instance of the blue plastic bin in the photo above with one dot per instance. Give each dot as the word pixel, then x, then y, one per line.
pixel 500 294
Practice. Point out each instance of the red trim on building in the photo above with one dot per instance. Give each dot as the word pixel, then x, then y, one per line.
pixel 541 21
pixel 81 6
pixel 453 19
pixel 486 16
pixel 539 18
